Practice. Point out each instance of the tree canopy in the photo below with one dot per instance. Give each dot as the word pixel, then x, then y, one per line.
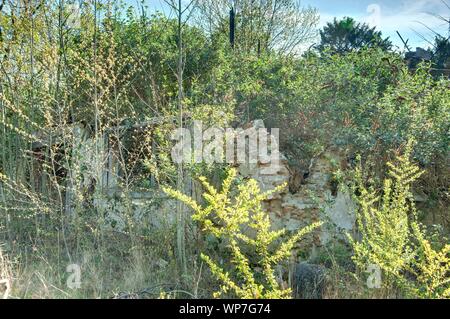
pixel 342 36
pixel 281 25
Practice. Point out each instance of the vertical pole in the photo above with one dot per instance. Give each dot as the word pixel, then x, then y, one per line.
pixel 232 27
pixel 181 219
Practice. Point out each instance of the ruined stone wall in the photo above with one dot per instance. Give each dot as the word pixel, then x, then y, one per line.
pixel 313 199
pixel 308 199
pixel 316 199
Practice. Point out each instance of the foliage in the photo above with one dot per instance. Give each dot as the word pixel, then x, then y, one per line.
pixel 441 57
pixel 431 267
pixel 384 228
pixel 346 35
pixel 65 90
pixel 226 217
pixel 262 26
pixel 392 238
pixel 366 101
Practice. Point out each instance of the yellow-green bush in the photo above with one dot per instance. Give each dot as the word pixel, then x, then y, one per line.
pixel 393 239
pixel 225 216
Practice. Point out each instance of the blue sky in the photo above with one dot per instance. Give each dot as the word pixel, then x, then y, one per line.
pixel 389 16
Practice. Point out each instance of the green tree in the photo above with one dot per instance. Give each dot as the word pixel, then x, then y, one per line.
pixel 441 56
pixel 342 36
pixel 281 25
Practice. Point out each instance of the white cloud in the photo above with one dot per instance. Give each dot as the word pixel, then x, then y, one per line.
pixel 408 17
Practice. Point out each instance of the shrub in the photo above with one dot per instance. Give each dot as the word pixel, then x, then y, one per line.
pixel 393 239
pixel 383 220
pixel 431 267
pixel 226 216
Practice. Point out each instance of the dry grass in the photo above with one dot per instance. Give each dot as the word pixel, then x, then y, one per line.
pixel 119 267
pixel 5 275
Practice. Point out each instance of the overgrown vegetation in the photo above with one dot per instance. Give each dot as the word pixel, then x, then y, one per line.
pixel 394 240
pixel 232 220
pixel 88 103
